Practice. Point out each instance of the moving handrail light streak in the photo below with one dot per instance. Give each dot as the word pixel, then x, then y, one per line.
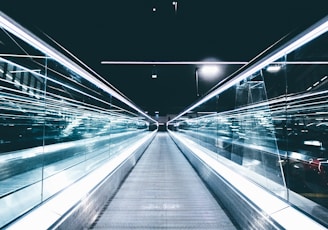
pixel 59 125
pixel 272 124
pixel 10 25
pixel 260 62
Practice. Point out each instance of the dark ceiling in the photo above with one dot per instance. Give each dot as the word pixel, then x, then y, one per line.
pixel 131 30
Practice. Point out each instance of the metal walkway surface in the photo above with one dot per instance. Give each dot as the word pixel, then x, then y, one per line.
pixel 163 192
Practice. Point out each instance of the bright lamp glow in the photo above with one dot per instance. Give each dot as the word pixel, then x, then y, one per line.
pixel 273 68
pixel 209 70
pixel 313 143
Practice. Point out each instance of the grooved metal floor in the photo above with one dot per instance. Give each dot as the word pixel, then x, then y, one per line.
pixel 163 192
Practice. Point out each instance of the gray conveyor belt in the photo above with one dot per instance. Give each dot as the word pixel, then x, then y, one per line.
pixel 163 192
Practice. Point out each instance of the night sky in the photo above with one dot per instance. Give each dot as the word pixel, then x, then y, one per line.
pixel 106 30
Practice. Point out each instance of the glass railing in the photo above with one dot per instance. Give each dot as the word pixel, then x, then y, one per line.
pixel 58 121
pixel 270 119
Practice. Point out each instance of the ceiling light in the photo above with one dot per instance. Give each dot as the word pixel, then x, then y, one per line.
pixel 315 84
pixel 209 70
pixel 324 78
pixel 273 68
pixel 313 143
pixel 175 4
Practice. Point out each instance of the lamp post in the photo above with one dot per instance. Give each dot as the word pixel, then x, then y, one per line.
pixel 196 76
pixel 208 71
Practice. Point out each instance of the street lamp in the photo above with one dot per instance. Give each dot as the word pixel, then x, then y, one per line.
pixel 154 72
pixel 208 71
pixel 175 4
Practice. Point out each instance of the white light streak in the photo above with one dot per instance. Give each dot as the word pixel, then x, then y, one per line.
pixel 208 62
pixel 17 30
pixel 324 78
pixel 9 76
pixel 313 143
pixel 315 84
pixel 303 38
pixel 270 205
pixel 48 213
pixel 173 62
pixel 22 55
pixel 24 71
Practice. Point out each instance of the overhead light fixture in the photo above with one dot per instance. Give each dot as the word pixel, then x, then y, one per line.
pixel 175 4
pixel 154 72
pixel 313 143
pixel 177 63
pixel 209 70
pixel 273 68
pixel 316 83
pixel 324 78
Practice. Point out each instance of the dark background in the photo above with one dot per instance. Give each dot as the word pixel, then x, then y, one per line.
pixel 129 30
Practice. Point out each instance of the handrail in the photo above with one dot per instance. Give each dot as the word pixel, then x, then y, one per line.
pixel 16 29
pixel 261 61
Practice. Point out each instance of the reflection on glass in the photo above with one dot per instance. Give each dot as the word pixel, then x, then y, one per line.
pixel 273 123
pixel 56 127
